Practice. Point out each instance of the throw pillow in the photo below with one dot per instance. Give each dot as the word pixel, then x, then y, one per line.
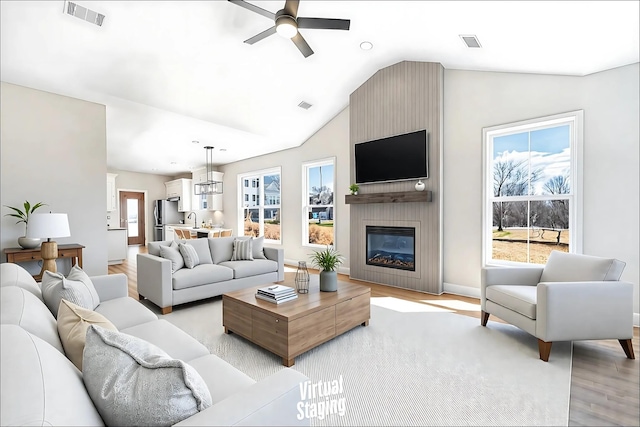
pixel 189 255
pixel 76 287
pixel 258 248
pixel 242 250
pixel 73 322
pixel 133 382
pixel 173 254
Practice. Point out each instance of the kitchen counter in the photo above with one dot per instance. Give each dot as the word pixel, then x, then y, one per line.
pixel 117 245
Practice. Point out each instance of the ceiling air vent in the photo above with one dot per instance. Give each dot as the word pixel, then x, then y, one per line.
pixel 83 13
pixel 471 41
pixel 304 105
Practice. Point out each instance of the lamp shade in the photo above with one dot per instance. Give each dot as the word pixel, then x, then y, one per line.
pixel 48 225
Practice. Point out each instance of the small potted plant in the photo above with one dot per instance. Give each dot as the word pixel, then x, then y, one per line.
pixel 353 188
pixel 23 216
pixel 327 261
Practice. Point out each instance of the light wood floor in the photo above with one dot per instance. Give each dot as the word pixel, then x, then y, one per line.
pixel 605 385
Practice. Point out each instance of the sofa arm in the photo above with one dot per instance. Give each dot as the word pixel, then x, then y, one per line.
pixel 277 255
pixel 523 276
pixel 584 311
pixel 111 286
pixel 154 279
pixel 273 401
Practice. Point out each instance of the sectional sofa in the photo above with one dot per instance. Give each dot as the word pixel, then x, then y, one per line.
pixel 165 282
pixel 41 386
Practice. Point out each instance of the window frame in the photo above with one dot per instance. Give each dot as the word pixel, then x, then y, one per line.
pixel 575 120
pixel 306 166
pixel 257 177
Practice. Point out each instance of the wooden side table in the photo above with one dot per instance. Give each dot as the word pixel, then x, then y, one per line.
pixel 18 255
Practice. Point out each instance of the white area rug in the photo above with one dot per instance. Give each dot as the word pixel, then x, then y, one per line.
pixel 412 367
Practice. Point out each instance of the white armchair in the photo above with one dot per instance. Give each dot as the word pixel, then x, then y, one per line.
pixel 573 297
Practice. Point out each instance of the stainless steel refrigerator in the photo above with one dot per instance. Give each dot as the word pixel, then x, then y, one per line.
pixel 165 212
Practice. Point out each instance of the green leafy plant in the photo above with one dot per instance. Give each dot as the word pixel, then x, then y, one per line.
pixel 23 215
pixel 354 187
pixel 327 259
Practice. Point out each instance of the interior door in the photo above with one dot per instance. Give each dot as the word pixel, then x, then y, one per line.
pixel 132 216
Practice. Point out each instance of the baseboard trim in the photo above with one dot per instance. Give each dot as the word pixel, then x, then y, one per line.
pixel 465 291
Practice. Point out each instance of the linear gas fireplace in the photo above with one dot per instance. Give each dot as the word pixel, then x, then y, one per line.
pixel 391 247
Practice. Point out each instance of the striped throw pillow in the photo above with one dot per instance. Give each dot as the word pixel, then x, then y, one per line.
pixel 189 255
pixel 242 250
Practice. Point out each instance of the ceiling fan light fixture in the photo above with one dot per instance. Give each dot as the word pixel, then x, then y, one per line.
pixel 286 26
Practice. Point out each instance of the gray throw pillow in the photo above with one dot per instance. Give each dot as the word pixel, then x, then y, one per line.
pixel 258 248
pixel 133 382
pixel 76 287
pixel 242 250
pixel 189 255
pixel 173 254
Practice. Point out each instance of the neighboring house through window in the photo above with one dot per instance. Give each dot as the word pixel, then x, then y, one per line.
pixel 532 189
pixel 259 219
pixel 318 222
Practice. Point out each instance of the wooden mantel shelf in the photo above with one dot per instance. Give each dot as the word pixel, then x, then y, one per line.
pixel 396 197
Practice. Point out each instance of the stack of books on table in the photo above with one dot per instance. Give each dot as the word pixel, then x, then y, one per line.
pixel 277 294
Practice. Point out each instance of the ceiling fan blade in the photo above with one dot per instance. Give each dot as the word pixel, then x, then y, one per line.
pixel 254 8
pixel 302 45
pixel 291 7
pixel 266 33
pixel 324 23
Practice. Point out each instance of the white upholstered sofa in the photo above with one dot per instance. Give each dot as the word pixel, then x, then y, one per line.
pixel 573 297
pixel 41 386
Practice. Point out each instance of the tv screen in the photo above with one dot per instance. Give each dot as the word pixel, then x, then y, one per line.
pixel 394 158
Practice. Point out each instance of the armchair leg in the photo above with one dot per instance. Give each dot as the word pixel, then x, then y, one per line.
pixel 627 346
pixel 484 318
pixel 545 349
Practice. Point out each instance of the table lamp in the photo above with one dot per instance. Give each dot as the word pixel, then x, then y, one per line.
pixel 48 226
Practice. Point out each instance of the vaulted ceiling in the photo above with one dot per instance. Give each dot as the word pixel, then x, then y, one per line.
pixel 173 72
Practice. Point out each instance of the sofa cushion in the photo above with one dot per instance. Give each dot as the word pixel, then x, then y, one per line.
pixel 189 255
pixel 40 386
pixel 169 338
pixel 14 275
pixel 154 247
pixel 20 307
pixel 258 248
pixel 222 379
pixel 172 254
pixel 566 267
pixel 221 249
pixel 76 287
pixel 202 249
pixel 133 382
pixel 242 250
pixel 125 312
pixel 250 268
pixel 73 322
pixel 519 298
pixel 203 274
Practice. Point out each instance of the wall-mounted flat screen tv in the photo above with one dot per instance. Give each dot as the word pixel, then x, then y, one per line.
pixel 395 158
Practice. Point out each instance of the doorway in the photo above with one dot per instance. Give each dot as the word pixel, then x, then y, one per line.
pixel 132 216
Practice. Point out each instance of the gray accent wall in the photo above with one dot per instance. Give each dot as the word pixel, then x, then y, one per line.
pixel 610 101
pixel 53 150
pixel 402 98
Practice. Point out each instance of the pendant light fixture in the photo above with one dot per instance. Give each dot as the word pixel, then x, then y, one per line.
pixel 209 186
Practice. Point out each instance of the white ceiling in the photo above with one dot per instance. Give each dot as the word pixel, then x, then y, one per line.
pixel 171 72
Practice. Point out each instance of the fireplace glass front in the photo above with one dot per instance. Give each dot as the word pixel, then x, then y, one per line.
pixel 391 247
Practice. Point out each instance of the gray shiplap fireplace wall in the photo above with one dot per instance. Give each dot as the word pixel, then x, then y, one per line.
pixel 401 98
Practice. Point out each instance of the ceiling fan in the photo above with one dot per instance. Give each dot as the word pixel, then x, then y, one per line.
pixel 287 23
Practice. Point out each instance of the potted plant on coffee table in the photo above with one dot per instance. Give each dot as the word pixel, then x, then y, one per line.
pixel 23 216
pixel 327 261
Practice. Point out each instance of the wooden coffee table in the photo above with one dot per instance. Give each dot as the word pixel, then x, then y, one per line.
pixel 291 328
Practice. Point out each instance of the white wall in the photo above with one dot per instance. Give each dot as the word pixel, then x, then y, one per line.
pixel 54 151
pixel 473 100
pixel 330 140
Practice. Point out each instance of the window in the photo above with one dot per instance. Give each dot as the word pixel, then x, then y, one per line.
pixel 258 219
pixel 318 222
pixel 532 189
